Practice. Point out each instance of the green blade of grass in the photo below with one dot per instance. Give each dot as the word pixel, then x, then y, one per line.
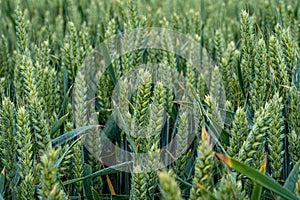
pixel 220 135
pixel 66 152
pixel 257 177
pixel 185 183
pixel 95 194
pixel 291 181
pixel 58 124
pixel 71 134
pixel 257 189
pixel 2 178
pixel 207 194
pixel 110 170
pixel 64 104
pixel 108 60
pixel 87 170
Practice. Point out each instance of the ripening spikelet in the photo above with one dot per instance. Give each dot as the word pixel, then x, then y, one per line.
pixel 190 79
pixel 138 184
pixel 294 147
pixel 80 101
pixel 46 81
pixel 288 51
pixel 147 165
pixel 71 57
pixel 219 46
pixel 80 116
pixel 110 32
pixel 169 58
pixel 22 38
pixel 104 90
pixel 239 132
pixel 168 186
pixel 229 106
pixel 269 19
pixel 237 96
pixel 92 142
pixel 131 22
pixel 8 143
pixel 247 38
pixel 253 148
pixel 203 167
pixel 84 38
pixel 183 131
pixel 121 104
pixel 43 54
pixel 140 42
pixel 49 176
pixel 132 14
pixel 165 71
pixel 294 124
pixel 152 141
pixel 216 87
pixel 113 46
pixel 260 84
pixel 275 137
pixel 157 115
pixel 200 88
pixel 77 165
pixel 229 188
pixel 126 43
pixel 5 62
pixel 34 104
pixel 20 30
pixel 277 66
pixel 212 110
pixel 25 156
pixel 141 107
pixel 142 98
pixel 226 65
pixel 283 17
pixel 74 12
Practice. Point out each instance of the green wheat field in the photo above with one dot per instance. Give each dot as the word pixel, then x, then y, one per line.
pixel 234 124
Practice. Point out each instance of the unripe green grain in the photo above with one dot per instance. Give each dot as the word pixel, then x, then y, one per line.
pixel 229 188
pixel 49 176
pixel 253 148
pixel 203 167
pixel 138 184
pixel 294 124
pixel 183 131
pixel 239 132
pixel 275 137
pixel 260 85
pixel 168 186
pixel 276 63
pixel 247 38
pixel 8 144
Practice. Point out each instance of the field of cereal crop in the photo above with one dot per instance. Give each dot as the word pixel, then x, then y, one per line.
pixel 149 99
